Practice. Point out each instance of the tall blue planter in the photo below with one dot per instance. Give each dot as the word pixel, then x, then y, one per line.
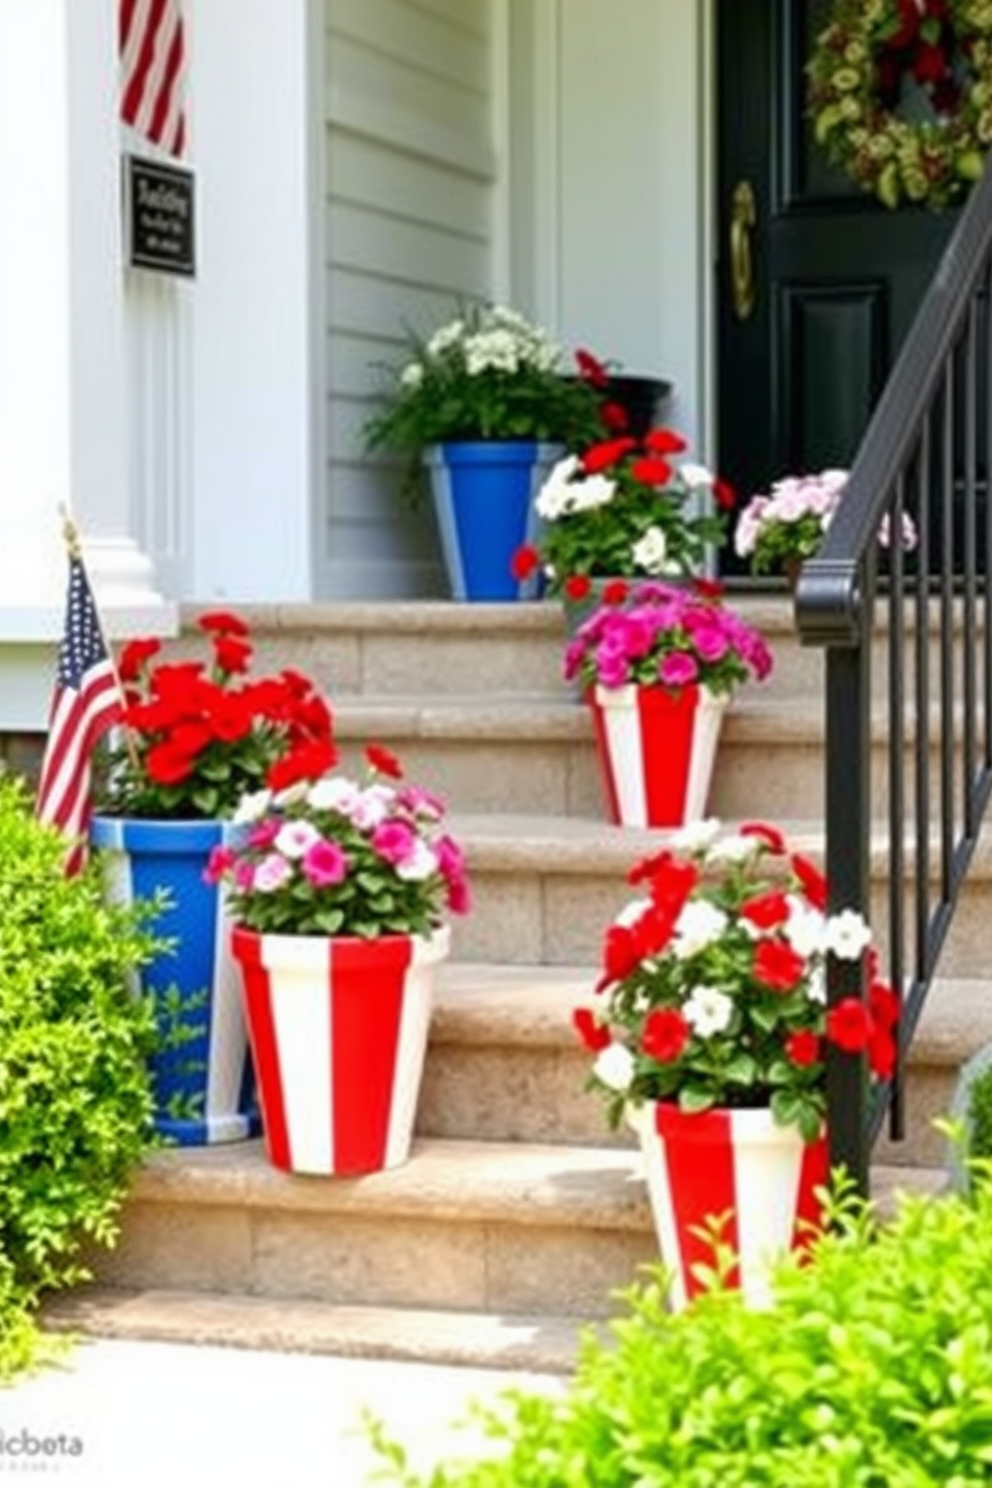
pixel 204 1087
pixel 484 494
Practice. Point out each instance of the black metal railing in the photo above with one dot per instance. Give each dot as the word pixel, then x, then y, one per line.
pixel 900 837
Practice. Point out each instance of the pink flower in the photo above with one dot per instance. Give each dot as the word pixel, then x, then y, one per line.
pixel 678 669
pixel 324 864
pixel 271 874
pixel 420 802
pixel 295 838
pixel 244 874
pixel 394 841
pixel 220 861
pixel 264 834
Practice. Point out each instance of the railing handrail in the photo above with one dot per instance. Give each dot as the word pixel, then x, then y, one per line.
pixel 828 602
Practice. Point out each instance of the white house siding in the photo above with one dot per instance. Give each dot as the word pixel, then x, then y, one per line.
pixel 411 180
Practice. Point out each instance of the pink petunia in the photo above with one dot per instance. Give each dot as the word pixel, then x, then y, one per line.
pixel 265 833
pixel 272 873
pixel 394 841
pixel 678 669
pixel 325 864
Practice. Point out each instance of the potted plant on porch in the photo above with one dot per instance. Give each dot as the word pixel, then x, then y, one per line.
pixel 339 895
pixel 195 736
pixel 657 665
pixel 709 1034
pixel 482 407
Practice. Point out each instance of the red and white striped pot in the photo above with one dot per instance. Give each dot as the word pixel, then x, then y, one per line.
pixel 338 1029
pixel 657 749
pixel 718 1163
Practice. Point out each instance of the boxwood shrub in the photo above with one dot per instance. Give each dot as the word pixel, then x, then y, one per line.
pixel 873 1369
pixel 75 1102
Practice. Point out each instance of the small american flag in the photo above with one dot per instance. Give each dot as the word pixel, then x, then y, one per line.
pixel 153 71
pixel 86 702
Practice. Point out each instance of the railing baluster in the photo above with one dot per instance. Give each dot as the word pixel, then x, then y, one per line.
pixel 968 539
pixel 897 780
pixel 946 624
pixel 921 762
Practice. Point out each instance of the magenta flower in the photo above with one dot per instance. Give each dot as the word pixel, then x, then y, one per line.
pixel 394 841
pixel 678 669
pixel 324 864
pixel 220 861
pixel 264 834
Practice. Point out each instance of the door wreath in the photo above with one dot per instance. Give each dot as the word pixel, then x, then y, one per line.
pixel 900 96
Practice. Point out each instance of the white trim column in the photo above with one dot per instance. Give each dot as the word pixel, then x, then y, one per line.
pixel 258 340
pixel 62 412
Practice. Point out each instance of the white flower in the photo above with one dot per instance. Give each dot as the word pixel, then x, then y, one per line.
pixel 292 794
pixel 554 497
pixel 699 925
pixel 420 863
pixel 412 376
pixel 614 1066
pixel 695 475
pixel 805 929
pixel 708 1011
pixel 650 552
pixel 253 806
pixel 847 935
pixel 371 807
pixel 295 838
pixel 334 793
pixel 816 989
pixel 445 337
pixel 696 836
pixel 733 849
pixel 591 491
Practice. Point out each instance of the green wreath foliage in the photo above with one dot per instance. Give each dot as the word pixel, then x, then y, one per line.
pixel 900 96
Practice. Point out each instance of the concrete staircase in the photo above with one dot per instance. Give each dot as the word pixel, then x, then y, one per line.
pixel 518 1215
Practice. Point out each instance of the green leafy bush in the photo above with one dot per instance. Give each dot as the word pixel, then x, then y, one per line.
pixel 75 1104
pixel 872 1370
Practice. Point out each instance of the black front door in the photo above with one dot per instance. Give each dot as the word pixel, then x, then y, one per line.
pixel 817 281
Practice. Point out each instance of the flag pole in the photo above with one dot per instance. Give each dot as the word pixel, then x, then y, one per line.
pixel 74 547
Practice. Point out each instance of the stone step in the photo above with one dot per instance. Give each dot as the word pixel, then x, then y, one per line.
pixel 497 1228
pixel 545 888
pixel 221 1310
pixel 504 1063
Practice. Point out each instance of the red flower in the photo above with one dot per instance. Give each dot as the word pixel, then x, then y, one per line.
pixel 726 496
pixel 591 369
pixel 590 1031
pixel 166 765
pixel 766 911
pixel 671 882
pixel 884 1005
pixel 803 1047
pixel 384 761
pixel 771 836
pixel 849 1025
pixel 665 1035
pixel 524 562
pixel 191 738
pixel 777 966
pixel 134 657
pixel 651 470
pixel 306 761
pixel 223 622
pixel 664 442
pixel 709 588
pixel 812 880
pixel 233 654
pixel 615 592
pixel 614 416
pixel 599 457
pixel 881 1052
pixel 231 718
pixel 621 955
pixel 578 586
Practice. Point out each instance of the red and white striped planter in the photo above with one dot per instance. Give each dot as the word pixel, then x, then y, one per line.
pixel 713 1163
pixel 338 1029
pixel 657 749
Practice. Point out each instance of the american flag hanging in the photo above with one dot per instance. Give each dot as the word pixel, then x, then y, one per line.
pixel 153 74
pixel 86 702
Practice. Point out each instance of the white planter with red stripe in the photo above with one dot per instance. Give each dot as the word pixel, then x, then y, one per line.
pixel 736 1164
pixel 657 749
pixel 338 1030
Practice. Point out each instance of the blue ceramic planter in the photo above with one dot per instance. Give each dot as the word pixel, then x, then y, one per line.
pixel 484 494
pixel 204 1087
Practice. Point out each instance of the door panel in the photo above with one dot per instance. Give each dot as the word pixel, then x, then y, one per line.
pixel 837 276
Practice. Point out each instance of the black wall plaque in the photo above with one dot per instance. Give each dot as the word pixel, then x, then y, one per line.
pixel 159 216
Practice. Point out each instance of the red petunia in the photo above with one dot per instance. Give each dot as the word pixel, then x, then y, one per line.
pixel 591 369
pixel 135 656
pixel 671 882
pixel 726 496
pixel 621 955
pixel 664 442
pixel 599 457
pixel 651 470
pixel 578 586
pixel 766 911
pixel 590 1030
pixel 614 416
pixel 770 835
pixel 709 588
pixel 665 1035
pixel 884 1004
pixel 849 1025
pixel 882 1052
pixel 524 562
pixel 615 592
pixel 223 622
pixel 813 882
pixel 803 1048
pixel 233 655
pixel 167 765
pixel 384 761
pixel 231 717
pixel 307 761
pixel 777 966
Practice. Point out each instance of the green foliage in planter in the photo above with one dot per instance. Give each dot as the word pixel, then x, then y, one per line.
pixel 75 1103
pixel 872 1370
pixel 980 1116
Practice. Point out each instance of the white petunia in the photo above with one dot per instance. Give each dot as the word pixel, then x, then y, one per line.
pixel 699 925
pixel 734 849
pixel 555 496
pixel 590 492
pixel 848 935
pixel 650 552
pixel 695 475
pixel 696 836
pixel 334 793
pixel 419 864
pixel 292 794
pixel 412 375
pixel 614 1067
pixel 295 839
pixel 708 1011
pixel 817 987
pixel 253 806
pixel 805 929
